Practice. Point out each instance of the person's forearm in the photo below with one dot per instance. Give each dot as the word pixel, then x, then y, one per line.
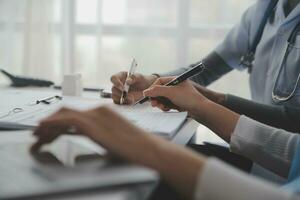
pixel 180 168
pixel 283 117
pixel 216 97
pixel 215 68
pixel 217 118
pixel 277 116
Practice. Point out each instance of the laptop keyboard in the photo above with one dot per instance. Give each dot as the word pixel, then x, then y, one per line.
pixel 16 169
pixel 18 166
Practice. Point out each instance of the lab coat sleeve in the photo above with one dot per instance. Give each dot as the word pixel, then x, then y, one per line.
pixel 215 68
pixel 226 55
pixel 270 147
pixel 219 181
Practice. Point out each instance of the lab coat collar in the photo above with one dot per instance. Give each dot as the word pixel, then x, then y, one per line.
pixel 280 9
pixel 293 15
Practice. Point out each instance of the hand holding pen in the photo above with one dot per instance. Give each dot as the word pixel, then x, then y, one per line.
pixel 177 80
pixel 126 86
pixel 182 97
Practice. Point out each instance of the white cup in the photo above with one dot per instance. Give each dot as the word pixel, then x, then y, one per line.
pixel 72 85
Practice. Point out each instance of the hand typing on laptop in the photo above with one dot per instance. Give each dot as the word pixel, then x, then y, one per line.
pixel 181 168
pixel 125 140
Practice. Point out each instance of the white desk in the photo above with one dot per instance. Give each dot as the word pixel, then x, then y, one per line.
pixel 10 98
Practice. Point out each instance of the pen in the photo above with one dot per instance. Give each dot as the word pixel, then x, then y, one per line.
pixel 48 99
pixel 126 86
pixel 179 79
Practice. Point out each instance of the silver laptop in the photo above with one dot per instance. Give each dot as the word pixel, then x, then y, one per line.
pixel 68 165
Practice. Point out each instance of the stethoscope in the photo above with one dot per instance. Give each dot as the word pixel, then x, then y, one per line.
pixel 291 43
pixel 248 59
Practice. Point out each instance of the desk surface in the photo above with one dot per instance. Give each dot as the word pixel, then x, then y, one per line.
pixel 13 97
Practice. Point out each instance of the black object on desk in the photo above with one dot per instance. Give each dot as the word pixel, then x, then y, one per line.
pixel 11 126
pixel 22 81
pixel 86 89
pixel 188 74
pixel 105 94
pixel 49 100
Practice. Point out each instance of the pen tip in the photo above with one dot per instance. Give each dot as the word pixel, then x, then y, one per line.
pixel 136 103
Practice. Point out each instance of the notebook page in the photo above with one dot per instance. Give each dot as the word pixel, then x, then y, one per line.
pixel 165 124
pixel 143 116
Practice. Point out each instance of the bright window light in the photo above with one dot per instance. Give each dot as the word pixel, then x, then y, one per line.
pixel 86 11
pixel 114 11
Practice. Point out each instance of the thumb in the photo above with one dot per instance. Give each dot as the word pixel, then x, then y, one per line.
pixel 163 80
pixel 158 91
pixel 133 79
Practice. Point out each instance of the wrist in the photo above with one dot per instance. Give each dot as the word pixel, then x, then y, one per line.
pixel 152 150
pixel 216 97
pixel 152 78
pixel 203 111
pixel 185 164
pixel 218 118
pixel 220 98
pixel 198 106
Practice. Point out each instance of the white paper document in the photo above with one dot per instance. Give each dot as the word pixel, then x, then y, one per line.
pixel 145 117
pixel 32 114
pixel 165 124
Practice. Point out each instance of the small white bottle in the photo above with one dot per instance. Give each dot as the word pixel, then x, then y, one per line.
pixel 72 85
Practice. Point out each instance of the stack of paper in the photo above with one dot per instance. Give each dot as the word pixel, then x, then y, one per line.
pixel 145 117
pixel 165 124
